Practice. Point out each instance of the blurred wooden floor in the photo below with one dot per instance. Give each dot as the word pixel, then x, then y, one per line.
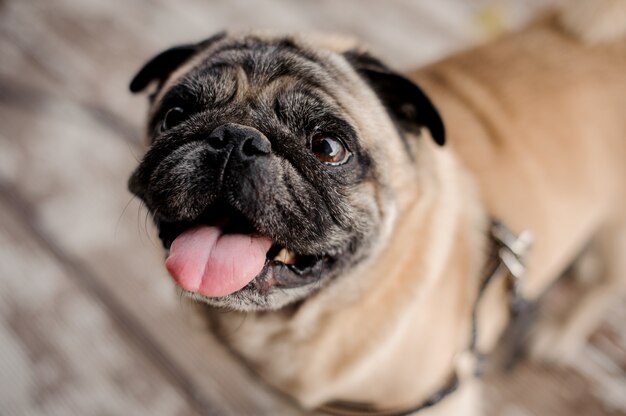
pixel 89 322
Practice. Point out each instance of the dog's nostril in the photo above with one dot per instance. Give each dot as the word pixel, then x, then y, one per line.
pixel 255 146
pixel 217 141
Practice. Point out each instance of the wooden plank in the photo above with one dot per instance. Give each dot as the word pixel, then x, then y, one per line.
pixel 61 351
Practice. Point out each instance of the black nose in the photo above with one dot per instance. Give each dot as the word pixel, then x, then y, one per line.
pixel 247 142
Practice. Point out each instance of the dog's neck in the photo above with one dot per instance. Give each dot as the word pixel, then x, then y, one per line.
pixel 413 300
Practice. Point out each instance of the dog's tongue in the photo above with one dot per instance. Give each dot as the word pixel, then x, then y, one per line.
pixel 205 261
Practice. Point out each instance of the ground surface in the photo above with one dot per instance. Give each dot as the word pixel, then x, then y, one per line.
pixel 89 322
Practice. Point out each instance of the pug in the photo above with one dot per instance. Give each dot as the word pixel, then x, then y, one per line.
pixel 333 216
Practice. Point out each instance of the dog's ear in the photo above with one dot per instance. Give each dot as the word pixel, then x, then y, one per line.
pixel 162 65
pixel 406 102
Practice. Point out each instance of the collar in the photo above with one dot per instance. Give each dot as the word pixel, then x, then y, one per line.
pixel 508 260
pixel 341 408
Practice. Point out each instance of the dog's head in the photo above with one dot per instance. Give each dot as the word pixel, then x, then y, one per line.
pixel 274 165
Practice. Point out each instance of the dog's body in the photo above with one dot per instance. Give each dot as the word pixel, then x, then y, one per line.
pixel 536 124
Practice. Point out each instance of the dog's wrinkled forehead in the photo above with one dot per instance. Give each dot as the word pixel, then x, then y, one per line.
pixel 249 64
pixel 264 60
pixel 252 73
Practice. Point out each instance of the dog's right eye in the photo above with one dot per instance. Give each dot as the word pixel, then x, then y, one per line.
pixel 173 117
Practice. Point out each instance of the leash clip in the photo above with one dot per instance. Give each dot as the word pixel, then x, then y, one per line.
pixel 512 253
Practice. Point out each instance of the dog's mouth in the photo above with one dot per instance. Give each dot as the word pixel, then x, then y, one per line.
pixel 221 252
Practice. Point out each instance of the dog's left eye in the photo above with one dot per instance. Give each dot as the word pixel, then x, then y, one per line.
pixel 173 117
pixel 329 150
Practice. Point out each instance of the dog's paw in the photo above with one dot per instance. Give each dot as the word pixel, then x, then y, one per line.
pixel 549 344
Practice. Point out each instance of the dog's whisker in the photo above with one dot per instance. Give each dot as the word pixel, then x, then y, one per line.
pixel 131 150
pixel 138 221
pixel 147 231
pixel 119 219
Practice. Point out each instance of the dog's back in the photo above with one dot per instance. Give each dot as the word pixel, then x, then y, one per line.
pixel 539 119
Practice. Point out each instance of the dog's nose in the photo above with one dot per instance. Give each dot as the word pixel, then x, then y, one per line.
pixel 247 142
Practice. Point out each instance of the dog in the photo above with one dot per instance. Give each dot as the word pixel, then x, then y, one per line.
pixel 334 218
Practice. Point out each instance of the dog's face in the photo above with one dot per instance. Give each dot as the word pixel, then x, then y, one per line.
pixel 274 166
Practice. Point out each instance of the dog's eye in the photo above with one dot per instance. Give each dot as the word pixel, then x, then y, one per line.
pixel 173 117
pixel 329 150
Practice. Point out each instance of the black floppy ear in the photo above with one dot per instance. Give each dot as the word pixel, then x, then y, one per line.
pixel 162 65
pixel 159 67
pixel 406 102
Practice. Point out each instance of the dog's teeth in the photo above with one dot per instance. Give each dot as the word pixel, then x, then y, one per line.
pixel 286 256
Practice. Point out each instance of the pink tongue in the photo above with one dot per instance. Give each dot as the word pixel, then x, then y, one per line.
pixel 205 261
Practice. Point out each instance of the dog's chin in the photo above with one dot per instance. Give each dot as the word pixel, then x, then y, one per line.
pixel 250 300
